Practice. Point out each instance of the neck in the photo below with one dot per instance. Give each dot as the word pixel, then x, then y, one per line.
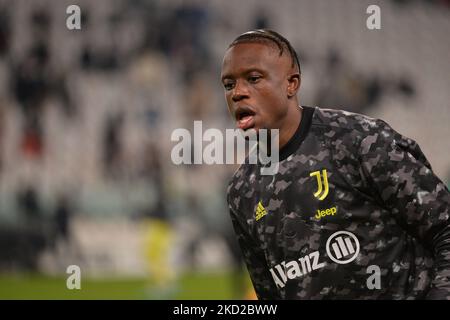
pixel 293 118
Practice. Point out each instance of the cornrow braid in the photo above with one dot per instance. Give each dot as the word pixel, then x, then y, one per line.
pixel 265 35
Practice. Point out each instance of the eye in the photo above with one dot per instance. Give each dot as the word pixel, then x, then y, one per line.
pixel 228 85
pixel 254 78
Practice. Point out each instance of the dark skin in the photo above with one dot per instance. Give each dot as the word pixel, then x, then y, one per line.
pixel 261 88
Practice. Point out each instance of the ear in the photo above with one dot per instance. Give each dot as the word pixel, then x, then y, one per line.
pixel 293 84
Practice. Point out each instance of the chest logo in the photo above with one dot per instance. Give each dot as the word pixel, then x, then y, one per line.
pixel 327 212
pixel 342 247
pixel 260 211
pixel 322 188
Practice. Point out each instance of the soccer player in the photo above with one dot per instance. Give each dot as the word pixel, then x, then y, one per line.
pixel 354 211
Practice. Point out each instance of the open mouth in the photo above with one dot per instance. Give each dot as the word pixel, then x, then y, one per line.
pixel 245 117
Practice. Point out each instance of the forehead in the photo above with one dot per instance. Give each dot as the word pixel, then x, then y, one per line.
pixel 253 55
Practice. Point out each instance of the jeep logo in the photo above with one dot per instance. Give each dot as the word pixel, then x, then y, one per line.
pixel 328 212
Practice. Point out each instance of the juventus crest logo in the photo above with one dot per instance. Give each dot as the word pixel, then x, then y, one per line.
pixel 322 188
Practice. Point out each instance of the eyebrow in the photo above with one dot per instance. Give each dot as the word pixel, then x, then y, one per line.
pixel 229 76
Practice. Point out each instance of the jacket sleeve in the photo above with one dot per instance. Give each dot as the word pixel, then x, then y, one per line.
pixel 405 183
pixel 255 260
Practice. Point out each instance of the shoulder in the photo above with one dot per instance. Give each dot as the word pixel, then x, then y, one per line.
pixel 344 132
pixel 361 130
pixel 346 121
pixel 363 134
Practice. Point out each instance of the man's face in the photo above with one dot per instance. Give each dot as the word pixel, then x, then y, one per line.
pixel 255 79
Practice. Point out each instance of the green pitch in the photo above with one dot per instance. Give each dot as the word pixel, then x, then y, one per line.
pixel 189 286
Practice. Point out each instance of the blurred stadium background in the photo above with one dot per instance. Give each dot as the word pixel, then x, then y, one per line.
pixel 86 117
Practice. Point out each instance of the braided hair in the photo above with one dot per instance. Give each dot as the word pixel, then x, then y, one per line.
pixel 265 36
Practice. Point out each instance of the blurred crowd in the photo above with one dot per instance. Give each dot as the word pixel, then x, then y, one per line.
pixel 86 115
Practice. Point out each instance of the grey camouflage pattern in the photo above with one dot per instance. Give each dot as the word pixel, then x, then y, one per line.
pixel 385 193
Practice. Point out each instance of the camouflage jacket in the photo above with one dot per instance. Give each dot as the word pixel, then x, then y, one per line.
pixel 354 212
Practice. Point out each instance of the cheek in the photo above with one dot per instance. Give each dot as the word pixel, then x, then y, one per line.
pixel 229 100
pixel 272 98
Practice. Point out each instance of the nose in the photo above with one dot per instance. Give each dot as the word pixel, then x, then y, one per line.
pixel 239 92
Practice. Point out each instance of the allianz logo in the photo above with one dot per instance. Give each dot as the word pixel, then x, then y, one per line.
pixel 342 247
pixel 295 268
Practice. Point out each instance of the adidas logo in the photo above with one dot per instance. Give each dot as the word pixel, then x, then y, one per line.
pixel 260 211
